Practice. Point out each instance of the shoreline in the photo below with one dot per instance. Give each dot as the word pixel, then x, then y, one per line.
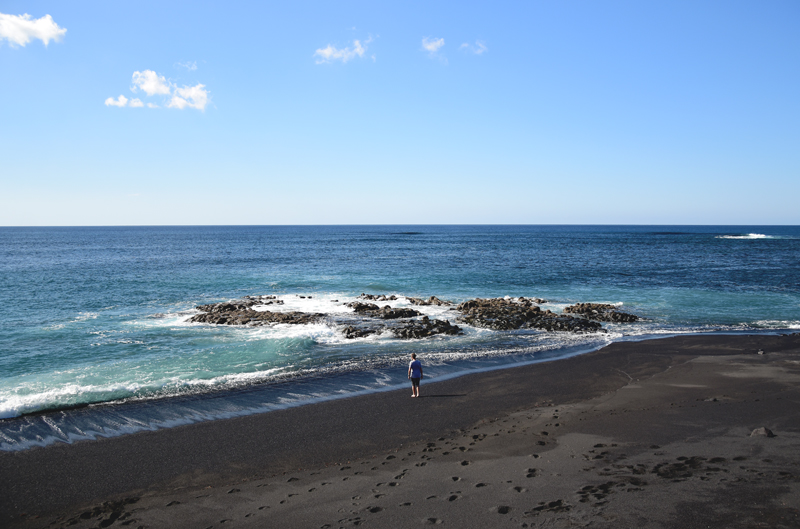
pixel 56 482
pixel 292 379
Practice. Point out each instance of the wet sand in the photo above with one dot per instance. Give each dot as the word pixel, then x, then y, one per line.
pixel 639 434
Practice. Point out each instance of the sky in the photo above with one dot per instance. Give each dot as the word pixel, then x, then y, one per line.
pixel 536 112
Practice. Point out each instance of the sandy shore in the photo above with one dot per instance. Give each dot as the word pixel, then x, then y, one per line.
pixel 645 434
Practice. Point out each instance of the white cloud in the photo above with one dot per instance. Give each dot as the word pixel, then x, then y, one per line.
pixel 150 82
pixel 332 53
pixel 191 66
pixel 432 45
pixel 20 29
pixel 189 96
pixel 121 101
pixel 478 49
pixel 153 84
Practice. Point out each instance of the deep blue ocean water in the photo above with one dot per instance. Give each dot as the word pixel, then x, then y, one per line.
pixel 95 340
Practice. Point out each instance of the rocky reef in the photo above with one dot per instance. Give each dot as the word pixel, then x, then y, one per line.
pixel 501 314
pixel 433 300
pixel 505 314
pixel 242 313
pixel 601 312
pixel 377 297
pixel 406 329
pixel 385 313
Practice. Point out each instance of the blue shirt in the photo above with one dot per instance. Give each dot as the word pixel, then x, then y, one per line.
pixel 416 369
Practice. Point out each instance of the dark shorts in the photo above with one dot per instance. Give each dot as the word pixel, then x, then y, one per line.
pixel 415 381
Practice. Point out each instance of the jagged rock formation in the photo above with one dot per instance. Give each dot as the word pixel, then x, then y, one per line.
pixel 241 313
pixel 407 329
pixel 600 312
pixel 385 313
pixel 508 314
pixel 426 327
pixel 433 300
pixel 374 297
pixel 500 314
pixel 350 332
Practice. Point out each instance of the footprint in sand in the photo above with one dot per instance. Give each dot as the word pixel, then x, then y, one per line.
pixel 501 509
pixel 433 521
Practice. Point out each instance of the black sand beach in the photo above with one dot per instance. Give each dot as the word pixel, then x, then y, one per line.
pixel 639 434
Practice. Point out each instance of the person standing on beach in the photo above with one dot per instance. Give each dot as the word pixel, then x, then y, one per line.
pixel 415 374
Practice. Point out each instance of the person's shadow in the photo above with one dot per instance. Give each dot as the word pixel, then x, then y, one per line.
pixel 440 396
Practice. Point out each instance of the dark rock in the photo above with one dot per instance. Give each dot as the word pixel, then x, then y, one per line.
pixel 600 312
pixel 241 313
pixel 433 300
pixel 351 332
pixel 372 297
pixel 508 314
pixel 406 330
pixel 361 308
pixel 425 327
pixel 384 313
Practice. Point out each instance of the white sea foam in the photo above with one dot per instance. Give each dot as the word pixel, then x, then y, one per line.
pixel 14 405
pixel 777 324
pixel 746 236
pixel 235 378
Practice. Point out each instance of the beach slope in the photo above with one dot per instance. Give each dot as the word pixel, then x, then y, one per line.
pixel 687 431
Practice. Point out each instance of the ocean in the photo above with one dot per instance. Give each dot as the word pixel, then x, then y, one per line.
pixel 96 340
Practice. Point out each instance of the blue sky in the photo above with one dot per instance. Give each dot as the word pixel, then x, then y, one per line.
pixel 399 113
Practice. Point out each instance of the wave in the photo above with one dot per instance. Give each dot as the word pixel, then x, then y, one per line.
pixel 776 324
pixel 752 236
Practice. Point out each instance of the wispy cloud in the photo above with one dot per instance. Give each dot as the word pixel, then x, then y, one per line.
pixel 189 65
pixel 19 30
pixel 153 84
pixel 478 49
pixel 331 53
pixel 189 96
pixel 432 46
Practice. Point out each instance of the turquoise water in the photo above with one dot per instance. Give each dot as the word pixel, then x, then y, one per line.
pixel 96 340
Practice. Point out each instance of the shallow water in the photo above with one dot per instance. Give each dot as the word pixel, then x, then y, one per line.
pixel 95 331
